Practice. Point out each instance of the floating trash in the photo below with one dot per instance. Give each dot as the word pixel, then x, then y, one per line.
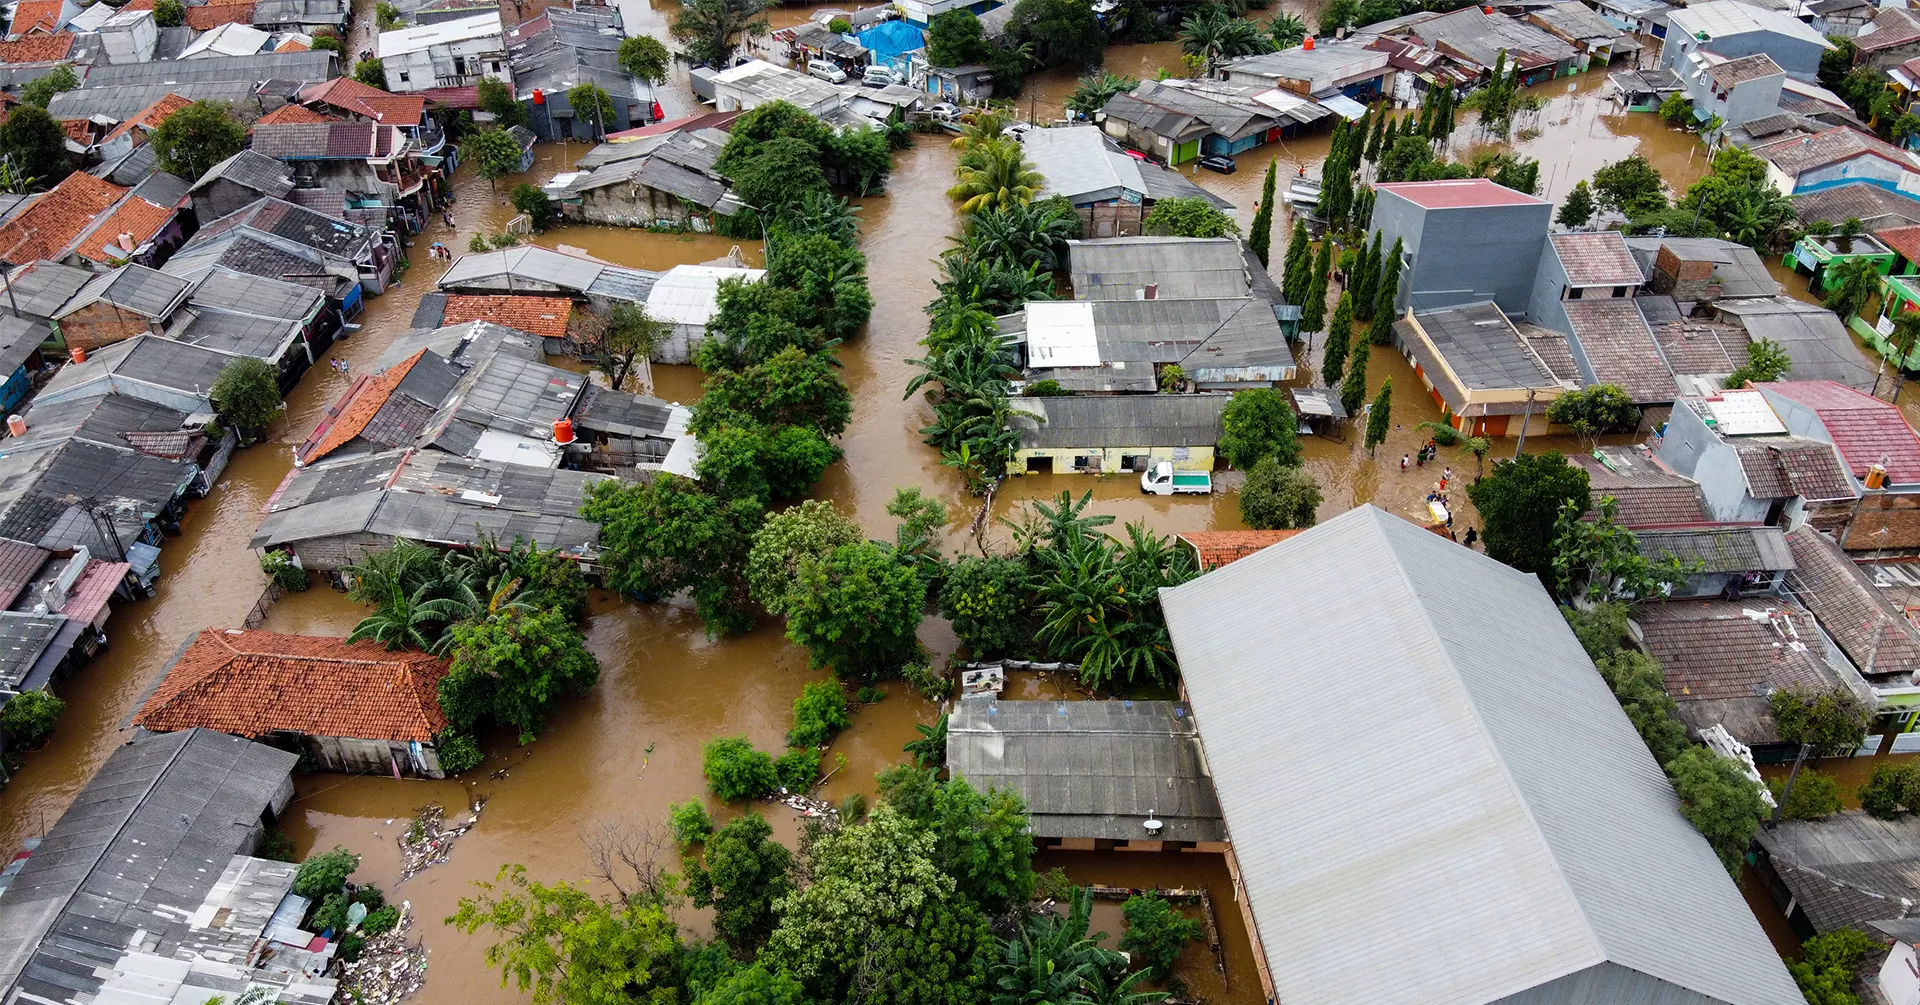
pixel 390 968
pixel 428 840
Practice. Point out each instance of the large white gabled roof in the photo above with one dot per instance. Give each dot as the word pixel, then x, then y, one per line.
pixel 1433 796
pixel 688 294
pixel 405 40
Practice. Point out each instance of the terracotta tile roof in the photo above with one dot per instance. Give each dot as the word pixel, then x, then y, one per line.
pixel 1597 259
pixel 94 588
pixel 1617 342
pixel 1735 72
pixel 1701 347
pixel 544 316
pixel 37 15
pixel 291 113
pixel 137 5
pixel 293 45
pixel 1780 467
pixel 1719 664
pixel 1905 240
pixel 214 15
pixel 352 96
pixel 458 98
pixel 150 117
pixel 135 217
pixel 37 48
pixel 1219 547
pixel 355 409
pixel 252 683
pixel 1866 626
pixel 46 228
pixel 1646 498
pixel 1797 154
pixel 1892 26
pixel 1866 430
pixel 78 130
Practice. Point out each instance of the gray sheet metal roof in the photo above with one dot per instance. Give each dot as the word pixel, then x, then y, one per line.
pixel 41 288
pixel 23 637
pixel 151 833
pixel 146 359
pixel 1136 420
pixel 121 101
pixel 1849 869
pixel 540 270
pixel 1117 268
pixel 1513 832
pixel 19 340
pixel 307 67
pixel 1721 549
pixel 1813 336
pixel 251 170
pixel 1090 769
pixel 150 293
pixel 1480 347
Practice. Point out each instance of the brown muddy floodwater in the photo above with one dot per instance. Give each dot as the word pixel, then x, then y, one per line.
pixel 632 746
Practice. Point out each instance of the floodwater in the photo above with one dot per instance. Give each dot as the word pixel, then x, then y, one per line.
pixel 623 753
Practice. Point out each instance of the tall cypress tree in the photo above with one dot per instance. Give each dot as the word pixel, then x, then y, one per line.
pixel 1262 235
pixel 1378 137
pixel 1380 419
pixel 1339 342
pixel 1383 310
pixel 1363 209
pixel 1393 134
pixel 1299 267
pixel 1353 387
pixel 1313 312
pixel 1366 286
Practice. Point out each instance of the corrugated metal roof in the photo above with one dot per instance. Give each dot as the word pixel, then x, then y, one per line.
pixel 1090 769
pixel 1117 268
pixel 684 294
pixel 1507 830
pixel 1137 420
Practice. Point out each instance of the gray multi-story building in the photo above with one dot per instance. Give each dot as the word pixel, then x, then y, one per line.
pixel 1733 29
pixel 1463 241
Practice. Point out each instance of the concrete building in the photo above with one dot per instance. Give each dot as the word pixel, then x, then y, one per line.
pixel 1892 38
pixel 1750 468
pixel 1879 452
pixel 1101 434
pixel 687 297
pixel 1841 155
pixel 1122 346
pixel 1096 775
pixel 1462 241
pixel 1733 29
pixel 1737 91
pixel 354 706
pixel 757 82
pixel 129 36
pixel 1507 851
pixel 1178 120
pixel 452 53
pixel 1111 191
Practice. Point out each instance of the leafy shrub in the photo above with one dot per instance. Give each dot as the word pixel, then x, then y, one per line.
pixel 275 845
pixel 797 769
pixel 331 915
pixel 279 567
pixel 1155 933
pixel 1826 968
pixel 30 715
pixel 1048 388
pixel 735 770
pixel 381 921
pixel 985 599
pixel 370 895
pixel 459 752
pixel 351 946
pixel 932 685
pixel 1891 788
pixel 325 872
pixel 1815 795
pixel 869 694
pixel 689 822
pixel 819 713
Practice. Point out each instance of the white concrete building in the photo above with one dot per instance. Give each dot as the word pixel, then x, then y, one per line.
pixel 445 54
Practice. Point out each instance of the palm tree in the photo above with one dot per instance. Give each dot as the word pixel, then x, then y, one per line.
pixel 994 173
pixel 1096 89
pixel 1849 286
pixel 1022 234
pixel 983 128
pixel 1211 35
pixel 930 750
pixel 1286 30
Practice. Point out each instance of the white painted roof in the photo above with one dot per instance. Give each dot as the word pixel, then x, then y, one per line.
pixel 1744 413
pixel 1432 804
pixel 228 40
pixel 1061 333
pixel 1731 17
pixel 685 294
pixel 405 40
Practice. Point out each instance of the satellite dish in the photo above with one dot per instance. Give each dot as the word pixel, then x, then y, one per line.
pixel 1153 824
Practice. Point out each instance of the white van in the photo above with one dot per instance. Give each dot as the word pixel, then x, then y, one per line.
pixel 826 71
pixel 879 76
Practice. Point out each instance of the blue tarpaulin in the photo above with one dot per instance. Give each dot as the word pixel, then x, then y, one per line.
pixel 890 40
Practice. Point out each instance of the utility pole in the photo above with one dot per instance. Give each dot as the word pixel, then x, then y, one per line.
pixel 1524 418
pixel 1780 805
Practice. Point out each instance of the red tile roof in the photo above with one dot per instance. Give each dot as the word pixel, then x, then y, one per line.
pixel 214 15
pixel 458 98
pixel 136 218
pixel 291 113
pixel 711 120
pixel 1462 193
pixel 544 316
pixel 1866 430
pixel 94 588
pixel 1905 240
pixel 37 48
pixel 137 5
pixel 38 15
pixel 1892 26
pixel 150 117
pixel 252 683
pixel 46 228
pixel 78 130
pixel 352 96
pixel 293 45
pixel 355 409
pixel 1219 547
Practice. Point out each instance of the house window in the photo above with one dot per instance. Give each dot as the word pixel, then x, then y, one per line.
pixel 403 76
pixel 459 65
pixel 1569 293
pixel 496 66
pixel 1621 291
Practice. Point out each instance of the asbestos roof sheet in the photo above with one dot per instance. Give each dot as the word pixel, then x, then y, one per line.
pixel 1721 549
pixel 148 836
pixel 314 65
pixel 1118 268
pixel 686 294
pixel 251 170
pixel 1479 348
pixel 1798 154
pixel 1095 422
pixel 1732 17
pixel 1090 769
pixel 1522 856
pixel 41 288
pixel 150 293
pixel 1847 870
pixel 1821 347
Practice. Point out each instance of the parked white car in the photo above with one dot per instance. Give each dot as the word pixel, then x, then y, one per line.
pixel 945 111
pixel 826 71
pixel 879 76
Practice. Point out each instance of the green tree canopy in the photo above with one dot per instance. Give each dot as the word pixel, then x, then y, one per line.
pixel 247 393
pixel 496 98
pixel 743 872
pixel 955 38
pixel 645 57
pixel 811 530
pixel 1188 217
pixel 39 91
pixel 1577 210
pixel 1830 720
pixel 1767 360
pixel 1156 933
pixel 591 105
pixel 708 30
pixel 540 210
pixel 1279 498
pixel 660 537
pixel 371 72
pixel 1594 410
pixel 1259 423
pixel 195 138
pixel 492 152
pixel 1630 186
pixel 36 146
pixel 985 599
pixel 856 611
pixel 169 13
pixel 512 666
pixel 568 947
pixel 1380 416
pixel 1062 32
pixel 1519 504
pixel 1721 802
pixel 29 716
pixel 980 839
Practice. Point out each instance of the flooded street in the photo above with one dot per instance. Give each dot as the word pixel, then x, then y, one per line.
pixel 632 746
